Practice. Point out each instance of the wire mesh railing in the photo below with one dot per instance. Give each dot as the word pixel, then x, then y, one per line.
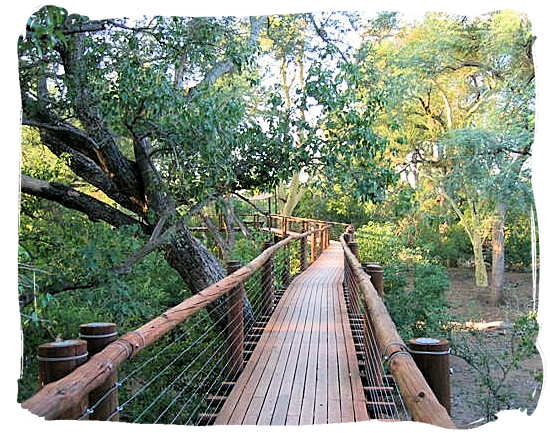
pixel 384 400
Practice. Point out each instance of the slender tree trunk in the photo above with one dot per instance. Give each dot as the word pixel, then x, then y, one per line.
pixel 497 243
pixel 479 263
pixel 295 192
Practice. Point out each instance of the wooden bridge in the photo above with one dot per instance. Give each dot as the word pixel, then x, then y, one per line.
pixel 315 346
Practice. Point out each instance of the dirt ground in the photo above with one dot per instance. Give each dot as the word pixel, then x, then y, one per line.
pixel 470 304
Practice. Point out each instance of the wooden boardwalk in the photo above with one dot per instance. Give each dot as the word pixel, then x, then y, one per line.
pixel 304 369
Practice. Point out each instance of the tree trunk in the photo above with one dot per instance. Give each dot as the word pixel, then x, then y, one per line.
pixel 199 268
pixel 497 243
pixel 295 192
pixel 479 263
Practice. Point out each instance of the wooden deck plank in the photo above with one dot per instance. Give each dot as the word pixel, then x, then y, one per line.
pixel 308 401
pixel 307 356
pixel 289 403
pixel 334 396
pixel 304 369
pixel 263 348
pixel 279 356
pixel 320 415
pixel 286 366
pixel 254 394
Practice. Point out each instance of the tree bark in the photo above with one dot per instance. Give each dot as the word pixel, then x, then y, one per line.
pixel 497 243
pixel 479 263
pixel 95 209
pixel 199 268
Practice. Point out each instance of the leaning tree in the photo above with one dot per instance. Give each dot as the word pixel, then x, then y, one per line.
pixel 161 116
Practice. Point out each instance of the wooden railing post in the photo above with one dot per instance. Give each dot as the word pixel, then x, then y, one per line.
pixel 376 273
pixel 313 252
pixel 55 361
pixel 267 280
pixel 235 324
pixel 319 239
pixel 354 247
pixel 97 336
pixel 303 249
pixel 284 228
pixel 432 356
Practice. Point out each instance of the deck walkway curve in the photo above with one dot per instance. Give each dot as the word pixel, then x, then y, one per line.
pixel 304 369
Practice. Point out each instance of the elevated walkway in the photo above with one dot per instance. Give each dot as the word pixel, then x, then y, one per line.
pixel 304 369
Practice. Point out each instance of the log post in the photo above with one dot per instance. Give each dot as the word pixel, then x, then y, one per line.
pixel 354 247
pixel 303 249
pixel 284 223
pixel 313 252
pixel 376 273
pixel 55 361
pixel 267 280
pixel 431 355
pixel 235 324
pixel 97 336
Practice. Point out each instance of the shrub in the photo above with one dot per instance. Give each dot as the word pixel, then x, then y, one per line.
pixel 422 310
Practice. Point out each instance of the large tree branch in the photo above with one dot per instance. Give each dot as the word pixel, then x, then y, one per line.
pixel 86 168
pixel 80 140
pixel 95 209
pixel 158 197
pixel 120 169
pixel 216 235
pixel 232 218
pixel 323 35
pixel 246 200
pixel 26 298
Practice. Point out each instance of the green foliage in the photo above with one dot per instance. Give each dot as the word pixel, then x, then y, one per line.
pixel 423 310
pixel 418 311
pixel 517 235
pixel 378 242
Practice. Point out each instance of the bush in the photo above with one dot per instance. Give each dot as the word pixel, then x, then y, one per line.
pixel 422 310
pixel 395 277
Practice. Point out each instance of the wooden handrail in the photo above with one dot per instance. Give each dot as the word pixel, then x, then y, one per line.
pixel 417 395
pixel 56 397
pixel 298 219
